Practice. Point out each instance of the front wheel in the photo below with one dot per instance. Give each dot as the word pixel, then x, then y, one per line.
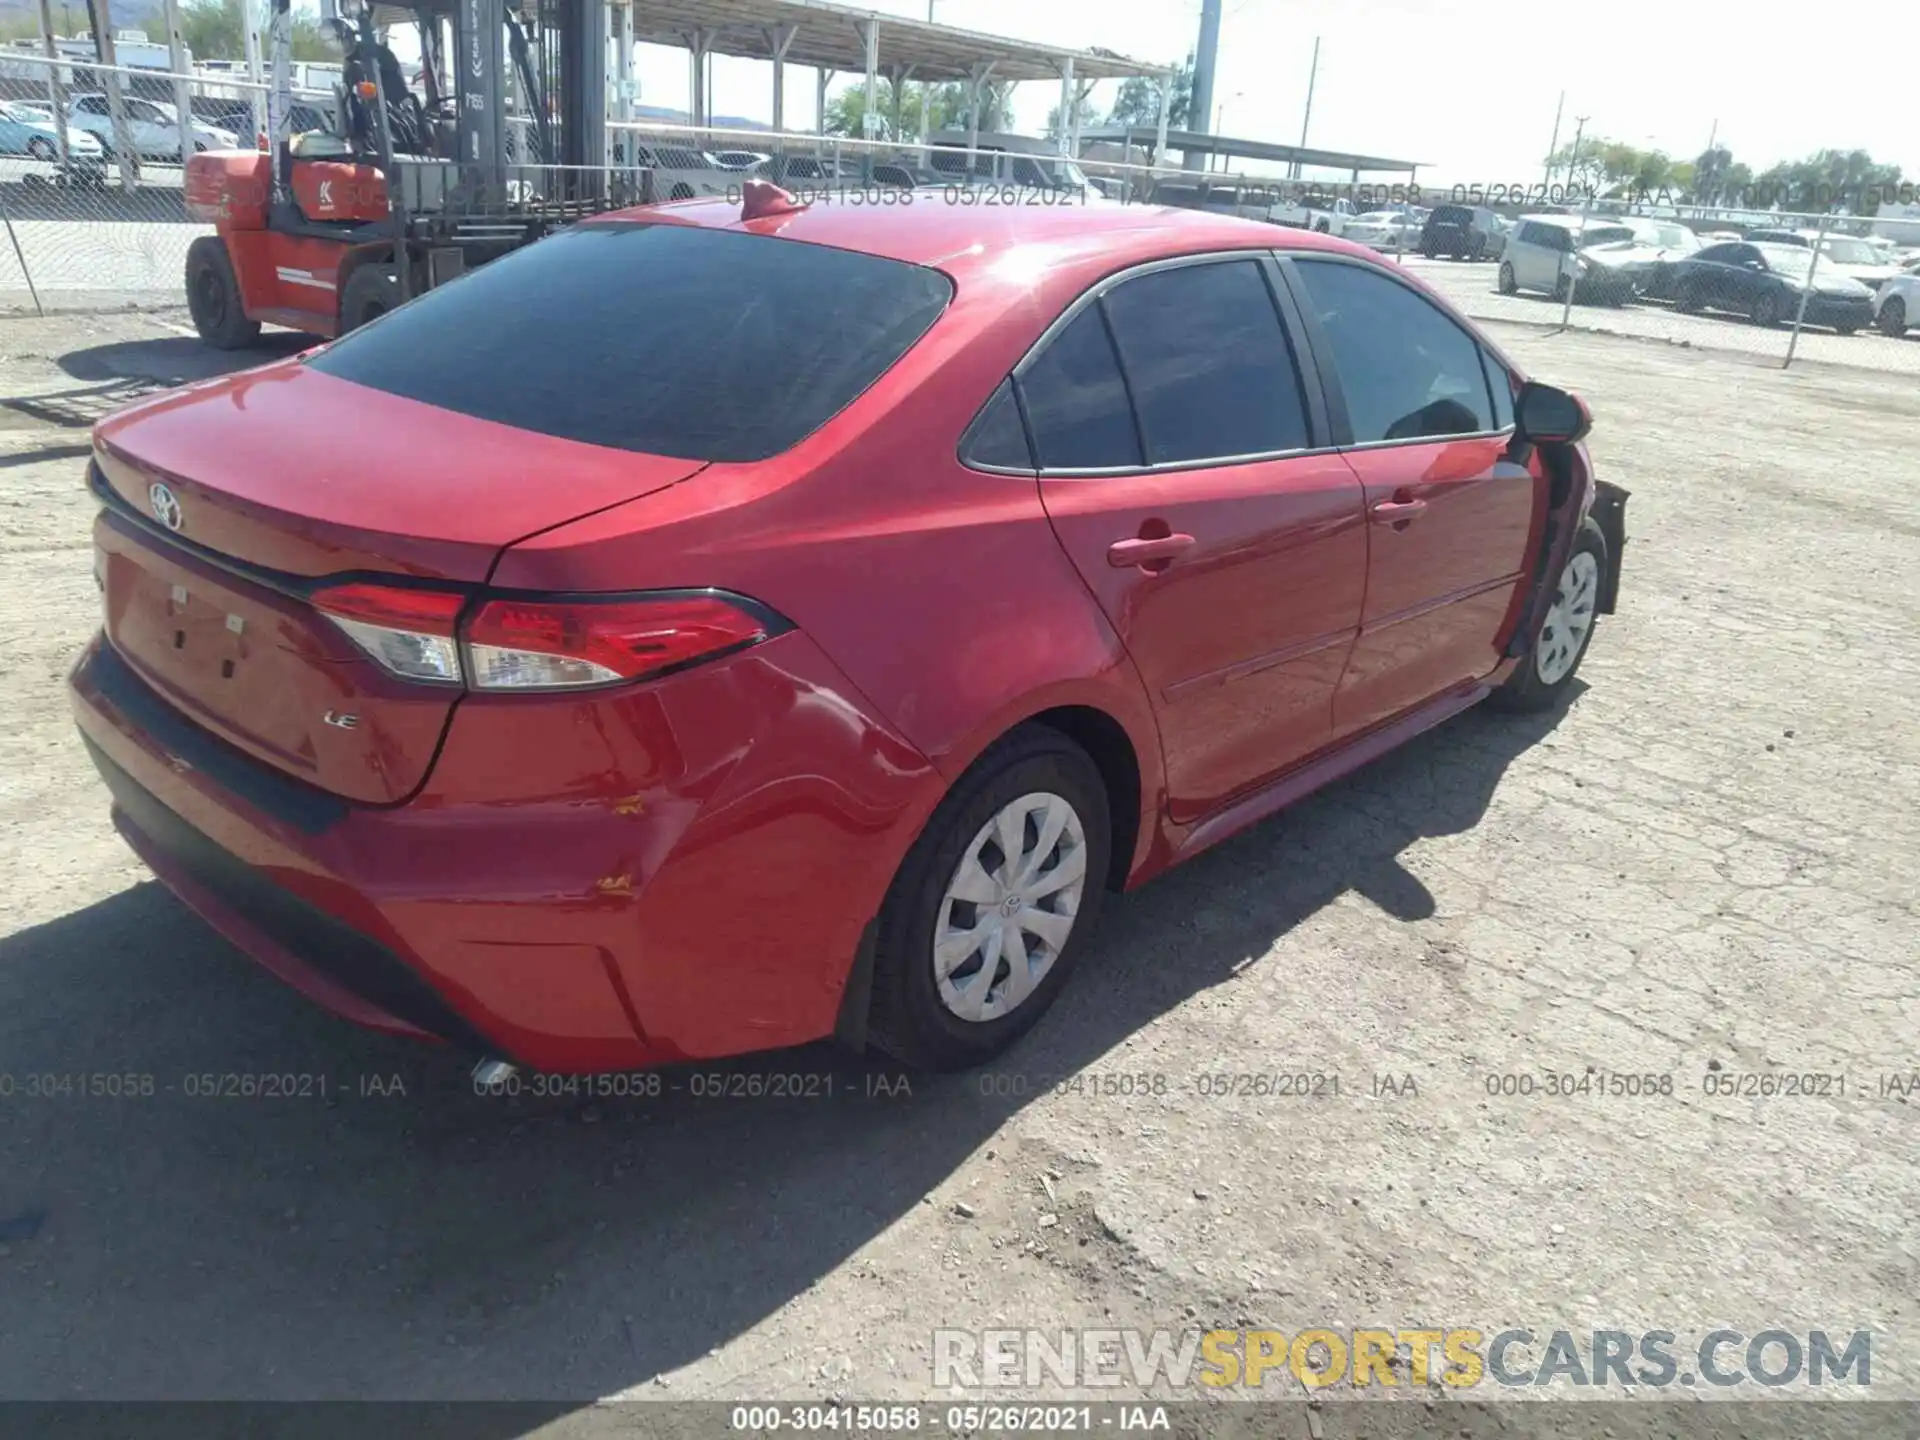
pixel 1544 679
pixel 41 149
pixel 992 904
pixel 1892 319
pixel 1766 309
pixel 371 291
pixel 213 297
pixel 1508 284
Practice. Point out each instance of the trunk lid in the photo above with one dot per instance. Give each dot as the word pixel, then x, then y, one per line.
pixel 227 506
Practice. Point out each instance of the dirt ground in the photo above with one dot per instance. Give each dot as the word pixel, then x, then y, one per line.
pixel 1707 866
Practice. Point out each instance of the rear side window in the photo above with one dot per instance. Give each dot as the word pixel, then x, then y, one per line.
pixel 1407 370
pixel 1211 373
pixel 1077 402
pixel 998 438
pixel 700 344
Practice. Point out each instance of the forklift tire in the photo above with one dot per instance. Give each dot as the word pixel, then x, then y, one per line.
pixel 213 297
pixel 372 290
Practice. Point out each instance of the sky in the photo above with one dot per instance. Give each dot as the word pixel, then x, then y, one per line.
pixel 1469 91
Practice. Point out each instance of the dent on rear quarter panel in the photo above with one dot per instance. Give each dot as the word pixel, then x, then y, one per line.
pixel 722 836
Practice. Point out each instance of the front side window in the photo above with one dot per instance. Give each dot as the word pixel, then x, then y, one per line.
pixel 1208 361
pixel 1406 369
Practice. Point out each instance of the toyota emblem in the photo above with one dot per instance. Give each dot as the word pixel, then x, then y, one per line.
pixel 166 509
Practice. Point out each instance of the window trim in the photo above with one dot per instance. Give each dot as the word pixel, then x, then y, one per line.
pixel 1320 430
pixel 1322 350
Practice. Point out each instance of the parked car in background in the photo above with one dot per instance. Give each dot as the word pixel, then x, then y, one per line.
pixel 1766 283
pixel 1657 245
pixel 687 749
pixel 799 169
pixel 1557 253
pixel 1896 305
pixel 30 131
pixel 1464 232
pixel 1797 238
pixel 737 159
pixel 1854 258
pixel 1387 230
pixel 678 172
pixel 1328 214
pixel 154 127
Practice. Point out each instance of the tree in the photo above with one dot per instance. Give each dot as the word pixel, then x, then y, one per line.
pixel 1083 111
pixel 923 108
pixel 217 30
pixel 1138 103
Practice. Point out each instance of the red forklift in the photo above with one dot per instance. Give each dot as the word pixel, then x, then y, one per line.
pixel 322 232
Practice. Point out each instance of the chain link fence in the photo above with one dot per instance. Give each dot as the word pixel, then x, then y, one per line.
pixel 94 216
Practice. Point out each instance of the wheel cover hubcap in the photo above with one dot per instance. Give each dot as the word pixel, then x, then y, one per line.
pixel 1009 907
pixel 1569 620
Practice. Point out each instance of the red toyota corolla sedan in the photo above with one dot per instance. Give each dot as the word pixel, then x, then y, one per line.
pixel 696 634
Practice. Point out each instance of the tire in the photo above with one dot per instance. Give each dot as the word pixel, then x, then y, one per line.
pixel 1321 227
pixel 1561 287
pixel 1507 284
pixel 1766 310
pixel 213 297
pixel 682 191
pixel 1892 319
pixel 371 291
pixel 42 150
pixel 1846 329
pixel 915 1017
pixel 1544 678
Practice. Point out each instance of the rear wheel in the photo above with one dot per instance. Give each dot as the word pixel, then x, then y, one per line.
pixel 1544 678
pixel 213 297
pixel 1766 309
pixel 992 904
pixel 41 149
pixel 1892 318
pixel 372 290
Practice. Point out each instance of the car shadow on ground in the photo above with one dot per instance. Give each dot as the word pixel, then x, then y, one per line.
pixel 438 1244
pixel 176 359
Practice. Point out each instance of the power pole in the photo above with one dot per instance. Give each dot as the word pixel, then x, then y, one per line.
pixel 1307 114
pixel 1573 157
pixel 1554 143
pixel 1204 56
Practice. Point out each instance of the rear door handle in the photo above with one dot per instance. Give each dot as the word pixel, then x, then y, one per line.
pixel 1160 551
pixel 1398 512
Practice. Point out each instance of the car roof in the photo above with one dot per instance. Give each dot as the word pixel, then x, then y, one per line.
pixel 963 239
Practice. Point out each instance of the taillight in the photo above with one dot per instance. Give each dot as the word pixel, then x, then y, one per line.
pixel 532 644
pixel 555 645
pixel 409 633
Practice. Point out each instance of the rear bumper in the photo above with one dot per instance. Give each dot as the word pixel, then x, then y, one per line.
pixel 676 871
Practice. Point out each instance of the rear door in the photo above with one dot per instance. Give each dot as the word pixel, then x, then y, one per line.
pixel 1182 463
pixel 1450 515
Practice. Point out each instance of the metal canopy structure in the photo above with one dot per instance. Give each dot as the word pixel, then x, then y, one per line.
pixel 830 38
pixel 833 37
pixel 1193 143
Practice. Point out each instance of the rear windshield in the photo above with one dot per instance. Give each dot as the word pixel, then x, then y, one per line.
pixel 1452 215
pixel 700 344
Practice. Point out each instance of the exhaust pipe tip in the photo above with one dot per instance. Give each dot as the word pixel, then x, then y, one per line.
pixel 489 1073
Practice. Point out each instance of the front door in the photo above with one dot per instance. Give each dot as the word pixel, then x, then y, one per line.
pixel 1175 436
pixel 1450 517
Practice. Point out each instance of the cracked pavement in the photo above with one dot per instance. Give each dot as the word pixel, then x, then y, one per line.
pixel 1705 868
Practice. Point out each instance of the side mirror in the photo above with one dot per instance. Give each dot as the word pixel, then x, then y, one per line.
pixel 1547 415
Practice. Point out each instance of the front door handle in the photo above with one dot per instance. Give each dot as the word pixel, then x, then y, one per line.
pixel 1398 512
pixel 1156 552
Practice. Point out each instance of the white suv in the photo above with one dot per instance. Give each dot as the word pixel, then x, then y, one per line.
pixel 153 127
